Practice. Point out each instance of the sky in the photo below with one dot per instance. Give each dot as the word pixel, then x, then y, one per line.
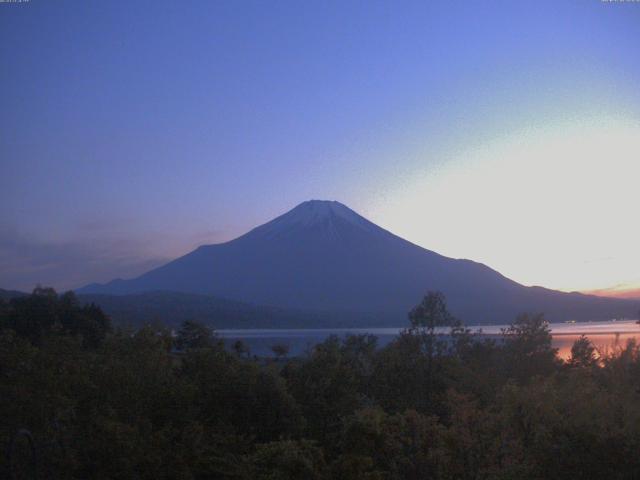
pixel 503 132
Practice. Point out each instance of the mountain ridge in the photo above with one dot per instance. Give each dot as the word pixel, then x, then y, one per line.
pixel 323 255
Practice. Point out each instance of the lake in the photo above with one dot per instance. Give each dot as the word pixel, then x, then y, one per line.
pixel 606 336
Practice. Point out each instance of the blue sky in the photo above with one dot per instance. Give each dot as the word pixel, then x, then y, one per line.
pixel 505 132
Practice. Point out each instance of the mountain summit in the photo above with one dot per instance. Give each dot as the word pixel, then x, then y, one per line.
pixel 323 217
pixel 323 256
pixel 320 211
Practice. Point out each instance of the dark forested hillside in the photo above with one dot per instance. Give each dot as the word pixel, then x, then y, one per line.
pixel 9 294
pixel 172 308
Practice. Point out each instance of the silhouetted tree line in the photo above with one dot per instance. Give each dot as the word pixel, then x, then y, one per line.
pixel 148 404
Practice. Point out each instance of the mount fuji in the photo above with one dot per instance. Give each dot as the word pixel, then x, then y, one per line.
pixel 323 256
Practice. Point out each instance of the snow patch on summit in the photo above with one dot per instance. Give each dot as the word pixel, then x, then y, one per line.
pixel 317 211
pixel 314 213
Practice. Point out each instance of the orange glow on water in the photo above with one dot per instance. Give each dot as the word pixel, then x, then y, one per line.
pixel 605 343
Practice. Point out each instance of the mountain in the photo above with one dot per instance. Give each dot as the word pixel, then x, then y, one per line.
pixel 9 294
pixel 324 256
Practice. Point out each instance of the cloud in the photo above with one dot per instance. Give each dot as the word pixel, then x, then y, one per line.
pixel 27 261
pixel 618 291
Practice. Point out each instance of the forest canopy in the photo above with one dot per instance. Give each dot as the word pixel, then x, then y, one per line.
pixel 100 402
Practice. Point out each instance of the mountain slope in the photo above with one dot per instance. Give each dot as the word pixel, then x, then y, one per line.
pixel 9 294
pixel 321 255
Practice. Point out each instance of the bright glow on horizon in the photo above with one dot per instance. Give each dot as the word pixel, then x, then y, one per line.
pixel 503 132
pixel 554 206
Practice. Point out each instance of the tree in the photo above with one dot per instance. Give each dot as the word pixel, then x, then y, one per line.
pixel 400 378
pixel 326 386
pixel 44 313
pixel 4 314
pixel 527 347
pixel 375 445
pixel 33 316
pixel 429 314
pixel 88 321
pixel 583 353
pixel 280 350
pixel 287 460
pixel 94 325
pixel 194 335
pixel 432 312
pixel 241 348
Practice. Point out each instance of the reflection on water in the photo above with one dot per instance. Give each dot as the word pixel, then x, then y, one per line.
pixel 606 336
pixel 605 343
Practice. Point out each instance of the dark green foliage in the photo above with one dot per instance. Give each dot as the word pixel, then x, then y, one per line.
pixel 239 397
pixel 527 348
pixel 44 312
pixel 376 445
pixel 241 348
pixel 124 404
pixel 400 374
pixel 328 387
pixel 287 460
pixel 431 313
pixel 280 350
pixel 583 353
pixel 194 335
pixel 409 372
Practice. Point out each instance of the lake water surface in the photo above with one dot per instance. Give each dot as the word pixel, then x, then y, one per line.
pixel 606 336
